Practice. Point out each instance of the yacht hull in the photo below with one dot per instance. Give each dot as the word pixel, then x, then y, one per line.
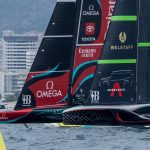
pixel 108 115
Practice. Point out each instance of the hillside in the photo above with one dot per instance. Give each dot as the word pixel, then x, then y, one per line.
pixel 25 15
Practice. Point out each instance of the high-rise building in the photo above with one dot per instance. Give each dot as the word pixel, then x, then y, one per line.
pixel 1 54
pixel 2 85
pixel 30 55
pixel 18 52
pixel 11 82
pixel 15 49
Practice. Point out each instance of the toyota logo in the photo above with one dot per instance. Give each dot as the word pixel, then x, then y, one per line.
pixel 90 28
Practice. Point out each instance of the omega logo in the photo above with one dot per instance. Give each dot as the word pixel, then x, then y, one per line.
pixel 91 7
pixel 49 85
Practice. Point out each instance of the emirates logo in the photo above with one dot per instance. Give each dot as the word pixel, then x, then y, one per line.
pixel 122 37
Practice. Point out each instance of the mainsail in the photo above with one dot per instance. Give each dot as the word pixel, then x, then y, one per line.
pixel 48 80
pixel 92 22
pixel 115 77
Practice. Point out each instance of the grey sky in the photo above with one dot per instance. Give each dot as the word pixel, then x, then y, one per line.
pixel 24 16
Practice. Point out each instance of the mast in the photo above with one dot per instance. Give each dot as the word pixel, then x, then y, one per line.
pixel 115 78
pixel 48 80
pixel 76 28
pixel 143 69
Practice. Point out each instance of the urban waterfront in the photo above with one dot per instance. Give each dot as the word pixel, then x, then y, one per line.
pixel 39 136
pixel 20 37
pixel 15 62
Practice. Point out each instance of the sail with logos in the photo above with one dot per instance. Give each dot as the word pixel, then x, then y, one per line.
pixel 77 27
pixel 48 80
pixel 45 92
pixel 119 92
pixel 116 70
pixel 92 21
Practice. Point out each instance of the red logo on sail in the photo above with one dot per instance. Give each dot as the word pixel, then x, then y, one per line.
pixel 90 28
pixel 116 88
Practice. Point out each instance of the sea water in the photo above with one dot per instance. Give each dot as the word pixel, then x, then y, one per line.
pixel 43 137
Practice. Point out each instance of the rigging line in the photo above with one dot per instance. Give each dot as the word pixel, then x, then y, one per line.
pixel 98 44
pixel 76 42
pixel 57 36
pixel 79 21
pixel 78 29
pixel 138 35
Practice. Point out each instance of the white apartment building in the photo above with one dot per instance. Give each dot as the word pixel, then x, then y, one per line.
pixel 18 52
pixel 11 82
pixel 1 54
pixel 2 84
pixel 15 49
pixel 30 55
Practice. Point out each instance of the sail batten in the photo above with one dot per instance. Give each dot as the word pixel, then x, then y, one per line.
pixel 117 61
pixel 124 18
pixel 144 44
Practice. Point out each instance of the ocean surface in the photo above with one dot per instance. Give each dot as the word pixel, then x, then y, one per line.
pixel 42 137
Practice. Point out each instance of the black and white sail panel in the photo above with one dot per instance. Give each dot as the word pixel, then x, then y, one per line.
pixel 115 77
pixel 93 17
pixel 48 80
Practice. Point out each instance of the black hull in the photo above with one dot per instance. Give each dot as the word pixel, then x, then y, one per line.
pixel 43 115
pixel 111 115
pixel 36 117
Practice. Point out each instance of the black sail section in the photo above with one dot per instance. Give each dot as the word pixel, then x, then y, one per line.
pixel 47 82
pixel 115 77
pixel 143 69
pixel 86 48
pixel 56 49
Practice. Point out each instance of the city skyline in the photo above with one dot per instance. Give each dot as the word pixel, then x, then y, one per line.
pixel 17 21
pixel 17 54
